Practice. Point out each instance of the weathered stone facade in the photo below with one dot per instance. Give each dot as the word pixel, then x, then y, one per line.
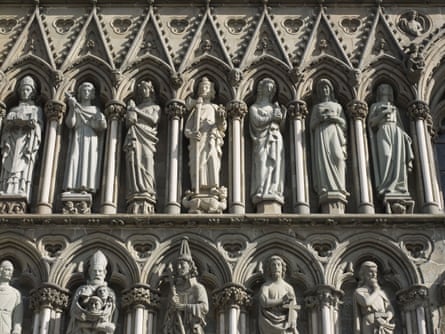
pixel 50 235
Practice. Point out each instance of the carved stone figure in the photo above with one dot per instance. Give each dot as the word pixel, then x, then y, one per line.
pixel 87 124
pixel 390 146
pixel 373 313
pixel 328 139
pixel 277 302
pixel 11 306
pixel 140 147
pixel 268 152
pixel 20 142
pixel 205 129
pixel 188 302
pixel 412 23
pixel 93 309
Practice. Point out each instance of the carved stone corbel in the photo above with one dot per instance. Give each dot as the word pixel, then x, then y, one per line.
pixel 232 295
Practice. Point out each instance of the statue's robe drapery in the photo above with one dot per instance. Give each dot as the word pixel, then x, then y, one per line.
pixel 11 310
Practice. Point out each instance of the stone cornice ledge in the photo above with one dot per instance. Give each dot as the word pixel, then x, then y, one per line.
pixel 190 220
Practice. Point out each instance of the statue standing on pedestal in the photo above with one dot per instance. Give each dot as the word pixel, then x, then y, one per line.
pixel 277 302
pixel 188 303
pixel 205 128
pixel 140 147
pixel 268 152
pixel 93 309
pixel 328 140
pixel 392 155
pixel 373 313
pixel 85 148
pixel 20 142
pixel 11 306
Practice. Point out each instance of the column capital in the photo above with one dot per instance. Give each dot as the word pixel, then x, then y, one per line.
pixel 140 295
pixel 175 109
pixel 419 110
pixel 413 297
pixel 115 110
pixel 357 109
pixel 323 295
pixel 236 109
pixel 232 295
pixel 54 110
pixel 51 296
pixel 297 109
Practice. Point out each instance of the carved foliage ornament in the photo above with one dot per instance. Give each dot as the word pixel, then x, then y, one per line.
pixel 232 295
pixel 49 296
pixel 140 295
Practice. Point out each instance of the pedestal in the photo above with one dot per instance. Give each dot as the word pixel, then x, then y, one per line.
pixel 76 203
pixel 398 203
pixel 141 203
pixel 13 204
pixel 212 200
pixel 268 207
pixel 333 202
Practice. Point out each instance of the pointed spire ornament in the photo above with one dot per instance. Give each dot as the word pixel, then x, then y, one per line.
pixel 98 260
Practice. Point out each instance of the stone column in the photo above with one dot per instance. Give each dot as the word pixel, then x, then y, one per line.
pixel 358 112
pixel 422 131
pixel 114 111
pixel 175 111
pixel 140 303
pixel 54 111
pixel 323 303
pixel 2 113
pixel 49 302
pixel 236 111
pixel 413 302
pixel 232 302
pixel 298 111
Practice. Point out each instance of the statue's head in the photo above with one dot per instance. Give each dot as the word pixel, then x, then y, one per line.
pixel 86 91
pixel 206 88
pixel 325 89
pixel 145 90
pixel 6 270
pixel 27 88
pixel 97 270
pixel 185 266
pixel 385 92
pixel 368 272
pixel 267 87
pixel 276 266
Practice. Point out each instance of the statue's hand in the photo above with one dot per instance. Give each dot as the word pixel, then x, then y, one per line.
pixel 72 102
pixel 196 135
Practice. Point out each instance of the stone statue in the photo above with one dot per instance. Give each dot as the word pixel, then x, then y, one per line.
pixel 188 302
pixel 412 24
pixel 140 147
pixel 328 140
pixel 277 302
pixel 390 145
pixel 20 142
pixel 205 129
pixel 93 309
pixel 86 141
pixel 373 312
pixel 11 306
pixel 268 152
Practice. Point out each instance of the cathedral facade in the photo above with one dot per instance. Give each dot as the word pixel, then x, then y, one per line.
pixel 217 167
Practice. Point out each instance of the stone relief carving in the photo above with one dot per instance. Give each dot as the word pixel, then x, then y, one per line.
pixel 11 304
pixel 205 128
pixel 6 25
pixel 373 312
pixel 188 301
pixel 292 25
pixel 140 147
pixel 62 26
pixel 85 148
pixel 391 152
pixel 20 142
pixel 414 23
pixel 120 25
pixel 265 120
pixel 236 25
pixel 93 308
pixel 328 139
pixel 350 25
pixel 178 26
pixel 277 301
